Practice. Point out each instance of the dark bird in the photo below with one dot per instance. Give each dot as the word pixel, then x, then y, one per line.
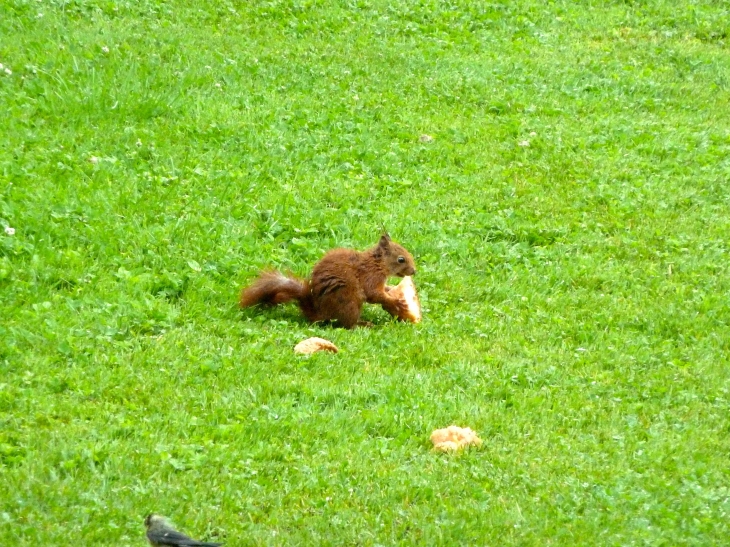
pixel 160 533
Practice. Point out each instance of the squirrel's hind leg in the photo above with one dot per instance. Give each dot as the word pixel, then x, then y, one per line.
pixel 349 318
pixel 348 315
pixel 341 308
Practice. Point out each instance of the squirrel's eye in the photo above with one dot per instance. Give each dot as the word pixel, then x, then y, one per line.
pixel 401 260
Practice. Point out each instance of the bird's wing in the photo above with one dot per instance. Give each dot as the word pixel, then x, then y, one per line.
pixel 176 539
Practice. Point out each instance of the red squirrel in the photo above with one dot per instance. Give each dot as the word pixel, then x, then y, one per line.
pixel 342 281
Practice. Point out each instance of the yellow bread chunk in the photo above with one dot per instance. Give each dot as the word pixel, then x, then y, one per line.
pixel 454 438
pixel 313 345
pixel 406 291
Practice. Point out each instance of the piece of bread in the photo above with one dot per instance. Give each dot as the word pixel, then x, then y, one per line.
pixel 406 291
pixel 454 438
pixel 313 345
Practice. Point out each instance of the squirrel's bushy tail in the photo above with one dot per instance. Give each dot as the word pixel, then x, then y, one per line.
pixel 272 288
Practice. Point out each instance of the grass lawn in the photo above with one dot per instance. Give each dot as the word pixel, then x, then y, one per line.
pixel 570 220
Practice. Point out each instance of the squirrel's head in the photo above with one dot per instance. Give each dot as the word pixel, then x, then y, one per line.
pixel 398 261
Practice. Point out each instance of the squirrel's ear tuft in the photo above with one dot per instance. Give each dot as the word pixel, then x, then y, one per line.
pixel 384 239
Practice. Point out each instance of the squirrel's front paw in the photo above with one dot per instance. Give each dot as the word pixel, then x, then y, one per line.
pixel 399 307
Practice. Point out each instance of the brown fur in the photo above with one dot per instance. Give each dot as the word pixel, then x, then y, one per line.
pixel 340 284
